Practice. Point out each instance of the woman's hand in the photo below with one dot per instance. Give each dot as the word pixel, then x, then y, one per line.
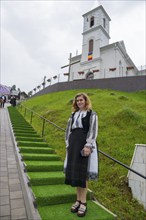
pixel 87 151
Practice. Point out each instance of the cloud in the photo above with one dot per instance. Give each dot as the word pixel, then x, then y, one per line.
pixel 37 36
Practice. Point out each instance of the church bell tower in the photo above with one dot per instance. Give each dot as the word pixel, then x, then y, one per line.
pixel 95 34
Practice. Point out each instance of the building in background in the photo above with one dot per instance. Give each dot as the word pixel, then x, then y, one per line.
pixel 99 59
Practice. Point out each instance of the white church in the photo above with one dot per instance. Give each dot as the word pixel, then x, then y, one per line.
pixel 99 59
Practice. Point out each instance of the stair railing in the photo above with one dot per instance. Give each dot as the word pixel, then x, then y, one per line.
pixel 60 128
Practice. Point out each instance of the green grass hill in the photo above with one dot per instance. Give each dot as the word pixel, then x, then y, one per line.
pixel 122 124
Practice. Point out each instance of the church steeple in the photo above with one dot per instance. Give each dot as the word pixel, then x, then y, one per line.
pixel 95 33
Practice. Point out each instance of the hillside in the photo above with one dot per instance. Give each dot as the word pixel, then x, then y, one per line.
pixel 122 124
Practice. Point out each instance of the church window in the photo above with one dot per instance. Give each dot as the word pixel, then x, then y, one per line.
pixel 91 45
pixel 92 21
pixel 104 22
pixel 90 52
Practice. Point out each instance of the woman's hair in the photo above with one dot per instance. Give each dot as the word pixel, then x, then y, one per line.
pixel 88 104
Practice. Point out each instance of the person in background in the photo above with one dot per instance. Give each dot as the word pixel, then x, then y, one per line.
pixel 3 100
pixel 81 162
pixel 13 101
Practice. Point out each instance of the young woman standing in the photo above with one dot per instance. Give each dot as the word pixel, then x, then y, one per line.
pixel 81 162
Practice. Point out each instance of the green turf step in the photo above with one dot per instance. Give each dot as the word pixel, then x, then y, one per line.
pixel 16 129
pixel 15 126
pixel 44 166
pixel 36 139
pixel 46 178
pixel 42 157
pixel 40 150
pixel 24 131
pixel 32 144
pixel 54 194
pixel 62 212
pixel 19 120
pixel 20 123
pixel 18 134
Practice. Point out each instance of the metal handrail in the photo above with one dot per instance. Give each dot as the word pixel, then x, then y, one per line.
pixel 112 158
pixel 42 118
pixel 124 165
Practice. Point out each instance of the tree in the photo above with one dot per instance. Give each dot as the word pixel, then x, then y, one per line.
pixel 13 88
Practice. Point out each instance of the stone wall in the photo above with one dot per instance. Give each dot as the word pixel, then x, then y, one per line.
pixel 127 84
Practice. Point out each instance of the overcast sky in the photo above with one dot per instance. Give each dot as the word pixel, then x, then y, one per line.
pixel 37 36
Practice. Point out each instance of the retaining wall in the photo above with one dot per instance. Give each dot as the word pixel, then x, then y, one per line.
pixel 127 84
pixel 137 183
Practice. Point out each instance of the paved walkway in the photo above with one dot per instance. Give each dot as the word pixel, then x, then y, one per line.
pixel 13 204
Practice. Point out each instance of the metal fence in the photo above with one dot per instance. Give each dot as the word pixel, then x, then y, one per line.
pixel 44 121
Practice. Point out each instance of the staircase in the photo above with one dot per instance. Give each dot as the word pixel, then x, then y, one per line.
pixel 44 170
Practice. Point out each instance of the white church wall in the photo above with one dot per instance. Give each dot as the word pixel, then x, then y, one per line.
pixel 88 15
pixel 74 72
pixel 85 46
pixel 108 61
pixel 119 58
pixel 102 16
pixel 113 58
pixel 103 39
pixel 124 64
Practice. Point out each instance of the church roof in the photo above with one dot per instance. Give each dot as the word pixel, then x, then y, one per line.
pixel 99 7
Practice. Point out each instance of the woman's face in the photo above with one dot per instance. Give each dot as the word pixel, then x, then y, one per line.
pixel 80 102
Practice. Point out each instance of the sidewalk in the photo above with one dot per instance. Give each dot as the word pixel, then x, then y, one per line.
pixel 13 202
pixel 12 205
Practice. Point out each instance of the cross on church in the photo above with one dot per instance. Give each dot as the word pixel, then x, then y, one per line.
pixel 69 65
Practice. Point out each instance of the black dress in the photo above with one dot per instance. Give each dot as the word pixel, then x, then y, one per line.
pixel 76 170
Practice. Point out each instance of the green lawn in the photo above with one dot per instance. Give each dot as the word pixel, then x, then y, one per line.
pixel 46 178
pixel 62 212
pixel 122 124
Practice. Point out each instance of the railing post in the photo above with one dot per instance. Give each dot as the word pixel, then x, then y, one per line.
pixel 31 117
pixel 43 127
pixel 25 112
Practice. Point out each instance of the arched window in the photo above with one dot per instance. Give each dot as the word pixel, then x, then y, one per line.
pixel 89 75
pixel 104 22
pixel 120 68
pixel 91 45
pixel 90 51
pixel 92 21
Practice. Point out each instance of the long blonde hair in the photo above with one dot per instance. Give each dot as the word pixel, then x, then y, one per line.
pixel 88 104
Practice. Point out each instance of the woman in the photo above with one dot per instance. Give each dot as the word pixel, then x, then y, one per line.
pixel 81 163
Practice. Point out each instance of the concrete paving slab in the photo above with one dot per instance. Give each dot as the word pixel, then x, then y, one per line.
pixel 4 200
pixel 4 210
pixel 15 203
pixel 19 213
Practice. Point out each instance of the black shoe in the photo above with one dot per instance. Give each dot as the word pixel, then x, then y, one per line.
pixel 82 210
pixel 75 206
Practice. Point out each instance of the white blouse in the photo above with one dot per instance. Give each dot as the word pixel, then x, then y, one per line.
pixel 93 128
pixel 78 119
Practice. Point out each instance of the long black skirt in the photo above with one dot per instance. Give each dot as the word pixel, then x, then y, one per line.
pixel 76 170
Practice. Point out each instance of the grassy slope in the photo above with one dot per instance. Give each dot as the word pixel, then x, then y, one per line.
pixel 121 125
